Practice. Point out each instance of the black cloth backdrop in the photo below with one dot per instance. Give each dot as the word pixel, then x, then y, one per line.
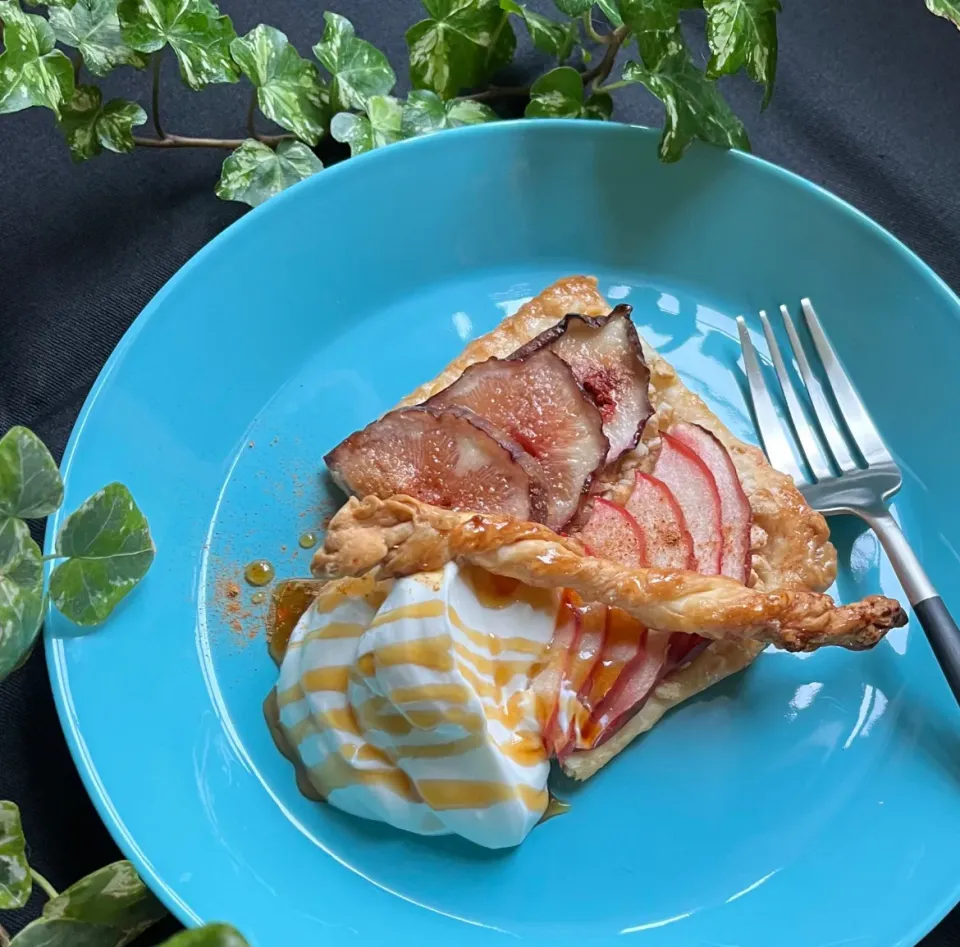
pixel 867 104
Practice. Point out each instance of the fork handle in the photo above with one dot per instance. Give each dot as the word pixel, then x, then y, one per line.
pixel 941 630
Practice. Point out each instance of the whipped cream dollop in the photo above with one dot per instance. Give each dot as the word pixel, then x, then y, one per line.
pixel 410 702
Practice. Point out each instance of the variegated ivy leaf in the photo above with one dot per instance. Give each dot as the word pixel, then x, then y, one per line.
pixel 425 112
pixel 643 15
pixel 255 172
pixel 15 881
pixel 92 26
pixel 460 46
pixel 559 94
pixel 611 11
pixel 358 69
pixel 948 9
pixel 743 33
pixel 89 126
pixel 550 37
pixel 381 125
pixel 108 550
pixel 21 593
pixel 693 104
pixel 109 908
pixel 289 88
pixel 30 483
pixel 210 935
pixel 32 72
pixel 195 30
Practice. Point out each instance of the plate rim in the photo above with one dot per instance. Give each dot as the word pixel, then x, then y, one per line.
pixel 54 646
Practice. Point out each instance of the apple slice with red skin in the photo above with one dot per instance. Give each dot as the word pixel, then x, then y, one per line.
pixel 547 685
pixel 692 485
pixel 735 513
pixel 612 533
pixel 659 517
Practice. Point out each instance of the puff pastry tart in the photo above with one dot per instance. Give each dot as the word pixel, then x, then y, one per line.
pixel 561 451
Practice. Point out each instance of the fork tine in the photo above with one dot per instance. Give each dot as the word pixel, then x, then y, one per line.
pixel 775 442
pixel 816 461
pixel 821 406
pixel 861 426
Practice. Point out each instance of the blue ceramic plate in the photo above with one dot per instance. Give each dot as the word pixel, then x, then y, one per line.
pixel 813 801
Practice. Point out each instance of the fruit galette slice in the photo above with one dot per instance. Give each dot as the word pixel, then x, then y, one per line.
pixel 562 451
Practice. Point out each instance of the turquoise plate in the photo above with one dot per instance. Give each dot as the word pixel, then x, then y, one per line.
pixel 813 801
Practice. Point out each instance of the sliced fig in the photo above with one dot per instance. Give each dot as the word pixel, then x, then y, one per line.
pixel 659 517
pixel 735 513
pixel 612 533
pixel 537 402
pixel 450 458
pixel 607 359
pixel 693 487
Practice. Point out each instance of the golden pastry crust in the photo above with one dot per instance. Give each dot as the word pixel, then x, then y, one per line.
pixel 403 536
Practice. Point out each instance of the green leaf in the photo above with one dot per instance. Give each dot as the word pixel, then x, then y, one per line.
pixel 199 35
pixel 109 908
pixel 210 935
pixel 289 88
pixel 573 7
pixel 15 881
pixel 644 15
pixel 109 549
pixel 693 104
pixel 425 112
pixel 255 172
pixel 743 33
pixel 358 68
pixel 32 72
pixel 559 94
pixel 948 9
pixel 30 484
pixel 462 44
pixel 550 37
pixel 92 26
pixel 611 12
pixel 381 125
pixel 21 593
pixel 90 126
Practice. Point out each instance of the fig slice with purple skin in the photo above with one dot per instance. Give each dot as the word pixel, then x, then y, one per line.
pixel 605 355
pixel 538 403
pixel 449 457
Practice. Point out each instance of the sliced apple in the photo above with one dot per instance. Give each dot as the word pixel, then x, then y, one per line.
pixel 692 485
pixel 612 533
pixel 633 686
pixel 553 706
pixel 624 639
pixel 666 537
pixel 589 645
pixel 735 513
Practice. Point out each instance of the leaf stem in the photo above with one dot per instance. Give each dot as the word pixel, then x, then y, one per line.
pixel 51 556
pixel 592 30
pixel 611 86
pixel 603 68
pixel 187 141
pixel 77 60
pixel 498 92
pixel 51 892
pixel 252 115
pixel 157 127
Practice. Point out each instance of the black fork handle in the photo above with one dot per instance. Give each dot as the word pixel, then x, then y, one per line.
pixel 941 630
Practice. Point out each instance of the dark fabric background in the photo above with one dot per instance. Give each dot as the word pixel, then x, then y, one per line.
pixel 867 104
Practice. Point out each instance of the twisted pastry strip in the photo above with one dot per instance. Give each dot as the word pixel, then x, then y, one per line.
pixel 402 536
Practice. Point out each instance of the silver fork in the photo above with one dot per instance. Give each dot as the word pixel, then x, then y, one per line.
pixel 839 482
